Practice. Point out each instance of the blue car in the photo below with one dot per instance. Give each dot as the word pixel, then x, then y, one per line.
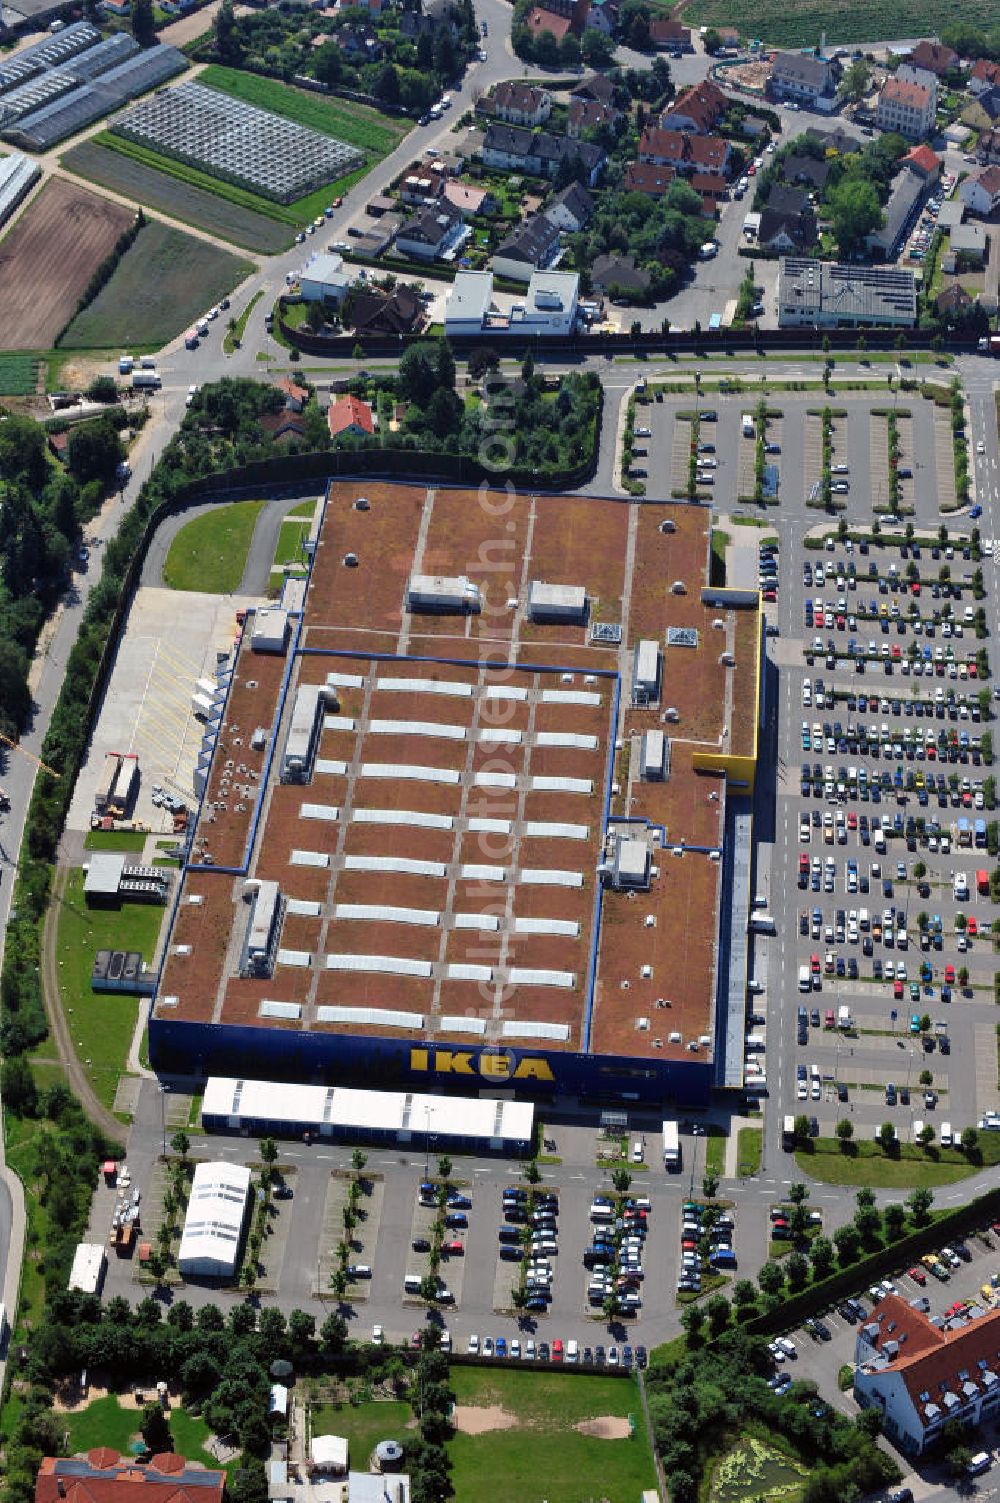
pixel 976 511
pixel 501 1346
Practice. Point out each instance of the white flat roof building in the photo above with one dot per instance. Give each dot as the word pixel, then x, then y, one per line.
pixel 328 1453
pixel 324 280
pixel 270 629
pixel 550 304
pixel 213 1225
pixel 555 602
pixel 89 1263
pixel 468 302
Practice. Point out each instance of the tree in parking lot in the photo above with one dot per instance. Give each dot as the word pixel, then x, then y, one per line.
pixel 796 1270
pixel 925 1137
pixel 963 975
pixel 693 1321
pixel 845 1132
pixel 710 1185
pixel 621 1179
pixel 798 1221
pixel 887 1138
pixel 717 1311
pixel 801 1130
pixel 771 1279
pixel 445 1168
pixel 744 1292
pixel 969 1140
pixel 894 1220
pixel 848 1244
pixel 798 1192
pixel 821 1257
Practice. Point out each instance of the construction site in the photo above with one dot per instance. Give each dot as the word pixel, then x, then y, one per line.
pixel 466 808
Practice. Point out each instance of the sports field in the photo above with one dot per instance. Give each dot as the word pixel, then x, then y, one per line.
pixel 210 553
pixel 178 197
pixel 165 280
pixel 801 23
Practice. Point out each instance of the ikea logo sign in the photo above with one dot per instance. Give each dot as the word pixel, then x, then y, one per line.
pixel 491 1064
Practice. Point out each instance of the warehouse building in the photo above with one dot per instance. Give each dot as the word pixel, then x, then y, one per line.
pixel 213 1226
pixel 830 295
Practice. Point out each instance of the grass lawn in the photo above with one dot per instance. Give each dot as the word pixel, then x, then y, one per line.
pixel 363 1424
pixel 210 553
pixel 715 1149
pixel 290 538
pixel 304 509
pixel 106 1423
pixel 101 1025
pixel 544 1456
pixel 748 1150
pixel 165 280
pixel 356 124
pixel 18 374
pixel 868 1165
pixel 114 840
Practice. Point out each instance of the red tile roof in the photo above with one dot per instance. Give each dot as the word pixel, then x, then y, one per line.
pixel 643 177
pixel 901 92
pixel 539 20
pixel 710 153
pixel 933 56
pixel 986 71
pixel 106 1477
pixel 703 102
pixel 930 1359
pixel 989 180
pixel 923 157
pixel 350 412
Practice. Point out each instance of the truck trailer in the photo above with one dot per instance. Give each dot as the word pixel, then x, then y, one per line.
pixel 671 1148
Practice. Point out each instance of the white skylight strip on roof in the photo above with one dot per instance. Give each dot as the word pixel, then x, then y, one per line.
pixel 303 908
pixel 410 772
pixel 525 976
pixel 487 922
pixel 331 766
pixel 426 686
pixel 403 817
pixel 494 780
pixel 345 681
pixel 568 927
pixel 309 858
pixel 540 877
pixel 489 826
pixel 338 723
pixel 566 740
pixel 427 918
pixel 382 965
pixel 501 736
pixel 302 959
pixel 474 873
pixel 569 697
pixel 459 1023
pixel 318 811
pixel 401 865
pixel 545 829
pixel 417 728
pixel 279 1010
pixel 505 691
pixel 561 785
pixel 371 1017
pixel 523 1029
pixel 462 972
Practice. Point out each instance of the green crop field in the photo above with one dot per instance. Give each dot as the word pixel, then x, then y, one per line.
pixel 101 1025
pixel 18 374
pixel 545 1454
pixel 151 183
pixel 357 124
pixel 165 280
pixel 801 23
pixel 210 553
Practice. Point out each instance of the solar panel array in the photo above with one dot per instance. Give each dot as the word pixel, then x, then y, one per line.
pixel 239 142
pixel 127 71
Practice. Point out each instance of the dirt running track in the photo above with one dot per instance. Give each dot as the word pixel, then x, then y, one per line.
pixel 48 258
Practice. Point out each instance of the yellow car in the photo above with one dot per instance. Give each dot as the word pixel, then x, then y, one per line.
pixel 987 1292
pixel 930 1261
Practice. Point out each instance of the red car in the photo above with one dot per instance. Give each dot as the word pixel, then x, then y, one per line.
pixel 972 928
pixel 852 821
pixel 949 975
pixel 897 990
pixel 557 1350
pixel 917 1275
pixel 417 1340
pixel 769 595
pixel 454 1249
pixel 814 962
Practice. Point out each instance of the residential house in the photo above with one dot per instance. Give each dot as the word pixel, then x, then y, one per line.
pixel 698 109
pixel 787 221
pixel 806 80
pixel 954 303
pixel 521 104
pixel 907 196
pixel 833 295
pixel 988 148
pixel 324 280
pixel 532 244
pixel 435 13
pixel 714 190
pixel 538 20
pixel 616 272
pixel 571 210
pixel 684 152
pixel 590 114
pixel 670 36
pixel 430 233
pixel 422 185
pixel 295 396
pixel 967 245
pixel 381 203
pixel 603 16
pixel 838 141
pixel 283 427
pixel 985 75
pixel 933 57
pixel 595 86
pixel 907 108
pixel 980 191
pixel 468 303
pixel 539 153
pixel 102 1476
pixel 359 43
pixel 349 415
pixel 374 311
pixel 805 169
pixel 920 1374
pixel 643 177
pixel 376 236
pixel 925 162
pixel 908 72
pixel 470 200
pixel 986 108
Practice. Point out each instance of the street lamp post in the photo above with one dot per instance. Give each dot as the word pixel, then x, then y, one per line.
pixel 163 1118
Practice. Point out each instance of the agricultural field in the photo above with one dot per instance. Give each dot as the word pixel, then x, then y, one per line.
pixel 18 374
pixel 165 280
pixel 152 184
pixel 801 23
pixel 357 124
pixel 48 258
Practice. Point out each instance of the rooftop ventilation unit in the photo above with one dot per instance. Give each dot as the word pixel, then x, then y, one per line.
pixel 682 636
pixel 727 659
pixel 350 560
pixel 362 504
pixel 668 526
pixel 678 587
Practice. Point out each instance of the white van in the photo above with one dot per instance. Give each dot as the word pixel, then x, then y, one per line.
pixel 946 1135
pixel 411 1284
pixel 805 979
pixel 572 1351
pixel 978 1464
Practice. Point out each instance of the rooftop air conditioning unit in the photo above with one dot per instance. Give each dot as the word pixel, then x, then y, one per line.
pixel 350 560
pixel 646 972
pixel 362 504
pixel 727 659
pixel 672 714
pixel 678 587
pixel 674 1038
pixel 718 624
pixel 668 526
pixel 642 1025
